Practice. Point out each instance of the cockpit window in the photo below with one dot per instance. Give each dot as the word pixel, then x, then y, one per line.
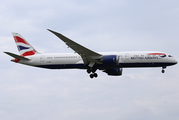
pixel 170 56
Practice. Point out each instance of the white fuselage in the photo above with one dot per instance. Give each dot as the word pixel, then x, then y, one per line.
pixel 125 59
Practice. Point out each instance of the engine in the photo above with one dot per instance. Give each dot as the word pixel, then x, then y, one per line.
pixel 110 60
pixel 114 72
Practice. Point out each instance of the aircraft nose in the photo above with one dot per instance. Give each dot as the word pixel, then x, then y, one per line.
pixel 175 61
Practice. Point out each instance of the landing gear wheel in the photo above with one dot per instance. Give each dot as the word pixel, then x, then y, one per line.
pixel 163 71
pixel 88 70
pixel 93 70
pixel 93 75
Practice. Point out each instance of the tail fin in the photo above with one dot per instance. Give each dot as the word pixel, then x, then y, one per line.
pixel 25 49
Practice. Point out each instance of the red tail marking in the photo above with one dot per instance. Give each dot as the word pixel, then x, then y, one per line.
pixel 28 53
pixel 18 39
pixel 16 60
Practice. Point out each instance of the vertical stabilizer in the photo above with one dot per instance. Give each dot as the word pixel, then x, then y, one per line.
pixel 25 49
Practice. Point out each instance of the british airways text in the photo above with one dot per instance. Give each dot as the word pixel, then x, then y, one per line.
pixel 134 58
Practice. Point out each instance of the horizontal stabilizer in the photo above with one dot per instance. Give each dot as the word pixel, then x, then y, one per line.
pixel 16 56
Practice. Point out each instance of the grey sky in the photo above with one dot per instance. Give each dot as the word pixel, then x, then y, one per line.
pixel 101 25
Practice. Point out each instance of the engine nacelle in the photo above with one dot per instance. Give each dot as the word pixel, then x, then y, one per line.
pixel 114 72
pixel 110 60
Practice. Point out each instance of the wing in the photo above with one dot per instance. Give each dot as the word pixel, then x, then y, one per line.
pixel 88 56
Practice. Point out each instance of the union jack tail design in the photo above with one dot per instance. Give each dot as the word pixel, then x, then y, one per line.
pixel 23 46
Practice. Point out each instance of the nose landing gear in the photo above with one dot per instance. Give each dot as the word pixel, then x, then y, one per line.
pixel 163 71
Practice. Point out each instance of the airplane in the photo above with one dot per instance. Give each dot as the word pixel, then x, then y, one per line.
pixel 111 63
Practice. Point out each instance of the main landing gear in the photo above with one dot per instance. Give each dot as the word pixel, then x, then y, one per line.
pixel 163 71
pixel 93 74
